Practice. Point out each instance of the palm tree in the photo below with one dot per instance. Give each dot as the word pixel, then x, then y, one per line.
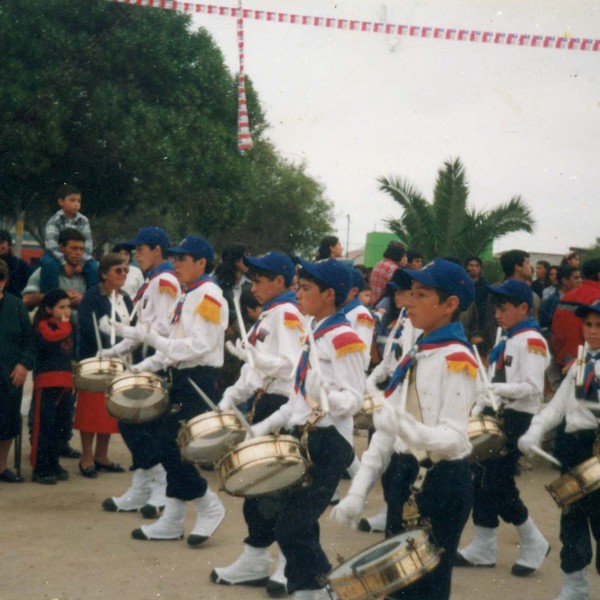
pixel 448 227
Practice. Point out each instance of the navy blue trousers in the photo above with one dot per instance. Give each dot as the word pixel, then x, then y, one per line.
pixel 496 495
pixel 445 500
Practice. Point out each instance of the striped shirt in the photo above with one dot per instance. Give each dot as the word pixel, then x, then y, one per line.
pixel 59 221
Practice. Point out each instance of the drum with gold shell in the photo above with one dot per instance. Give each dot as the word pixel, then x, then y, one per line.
pixel 95 374
pixel 263 465
pixel 487 438
pixel 580 481
pixel 372 402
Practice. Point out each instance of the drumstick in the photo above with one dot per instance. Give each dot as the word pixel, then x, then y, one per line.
pixel 134 312
pixel 484 378
pixel 243 332
pixel 213 406
pixel 113 312
pixel 317 366
pixel 97 332
pixel 537 450
pixel 388 343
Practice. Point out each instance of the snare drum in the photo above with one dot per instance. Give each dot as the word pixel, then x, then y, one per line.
pixel 486 436
pixel 385 567
pixel 363 419
pixel 263 465
pixel 207 437
pixel 577 483
pixel 95 374
pixel 137 397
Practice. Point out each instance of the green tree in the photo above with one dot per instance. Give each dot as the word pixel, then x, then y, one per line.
pixel 136 109
pixel 447 226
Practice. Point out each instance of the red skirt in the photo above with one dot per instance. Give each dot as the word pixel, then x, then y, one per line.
pixel 91 414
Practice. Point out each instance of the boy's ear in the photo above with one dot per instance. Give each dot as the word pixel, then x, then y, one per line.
pixel 329 296
pixel 453 303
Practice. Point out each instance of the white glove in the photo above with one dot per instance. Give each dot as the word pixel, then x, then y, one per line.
pixel 385 420
pixel 107 353
pixel 371 384
pixel 104 325
pixel 262 428
pixel 122 331
pixel 227 402
pixel 415 434
pixel 273 423
pixel 136 368
pixel 238 349
pixel 151 338
pixel 348 510
pixel 532 437
pixel 262 361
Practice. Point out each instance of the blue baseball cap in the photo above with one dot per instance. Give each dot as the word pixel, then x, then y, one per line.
pixel 195 246
pixel 399 282
pixel 276 262
pixel 585 309
pixel 358 281
pixel 332 273
pixel 149 236
pixel 442 275
pixel 514 289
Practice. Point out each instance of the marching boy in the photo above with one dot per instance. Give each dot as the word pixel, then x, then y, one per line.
pixel 429 435
pixel 323 289
pixel 275 343
pixel 518 363
pixel 575 443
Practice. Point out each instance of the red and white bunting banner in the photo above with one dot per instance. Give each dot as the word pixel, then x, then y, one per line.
pixel 416 31
pixel 244 139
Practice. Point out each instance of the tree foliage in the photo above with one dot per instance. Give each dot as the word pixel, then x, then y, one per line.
pixel 448 226
pixel 140 112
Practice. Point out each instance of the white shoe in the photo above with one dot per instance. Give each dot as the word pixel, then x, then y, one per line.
pixel 209 514
pixel 277 584
pixel 376 523
pixel 251 568
pixel 158 495
pixel 481 552
pixel 533 549
pixel 575 586
pixel 135 497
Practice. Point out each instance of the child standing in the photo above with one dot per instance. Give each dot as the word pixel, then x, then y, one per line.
pixel 52 386
pixel 575 443
pixel 323 289
pixel 430 432
pixel 51 263
pixel 518 363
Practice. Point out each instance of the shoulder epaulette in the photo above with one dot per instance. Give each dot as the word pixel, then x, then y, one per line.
pixel 347 342
pixel 365 319
pixel 292 321
pixel 537 346
pixel 462 361
pixel 166 286
pixel 209 308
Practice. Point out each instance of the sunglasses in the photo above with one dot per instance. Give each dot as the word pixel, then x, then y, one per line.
pixel 121 270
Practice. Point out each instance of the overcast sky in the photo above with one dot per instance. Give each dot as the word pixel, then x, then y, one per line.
pixel 356 106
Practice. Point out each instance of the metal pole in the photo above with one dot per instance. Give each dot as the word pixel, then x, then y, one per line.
pixel 347 235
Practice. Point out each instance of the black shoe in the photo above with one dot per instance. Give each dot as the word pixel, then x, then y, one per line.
pixel 149 511
pixel 214 577
pixel 45 479
pixel 275 589
pixel 89 472
pixel 461 561
pixel 10 477
pixel 523 571
pixel 138 534
pixel 195 540
pixel 109 468
pixel 68 452
pixel 62 474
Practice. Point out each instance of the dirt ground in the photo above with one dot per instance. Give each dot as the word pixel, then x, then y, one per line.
pixel 58 543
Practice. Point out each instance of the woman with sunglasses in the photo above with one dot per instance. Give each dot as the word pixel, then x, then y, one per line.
pixel 91 418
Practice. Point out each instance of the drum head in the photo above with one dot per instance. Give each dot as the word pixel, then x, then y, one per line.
pixel 265 477
pixel 213 445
